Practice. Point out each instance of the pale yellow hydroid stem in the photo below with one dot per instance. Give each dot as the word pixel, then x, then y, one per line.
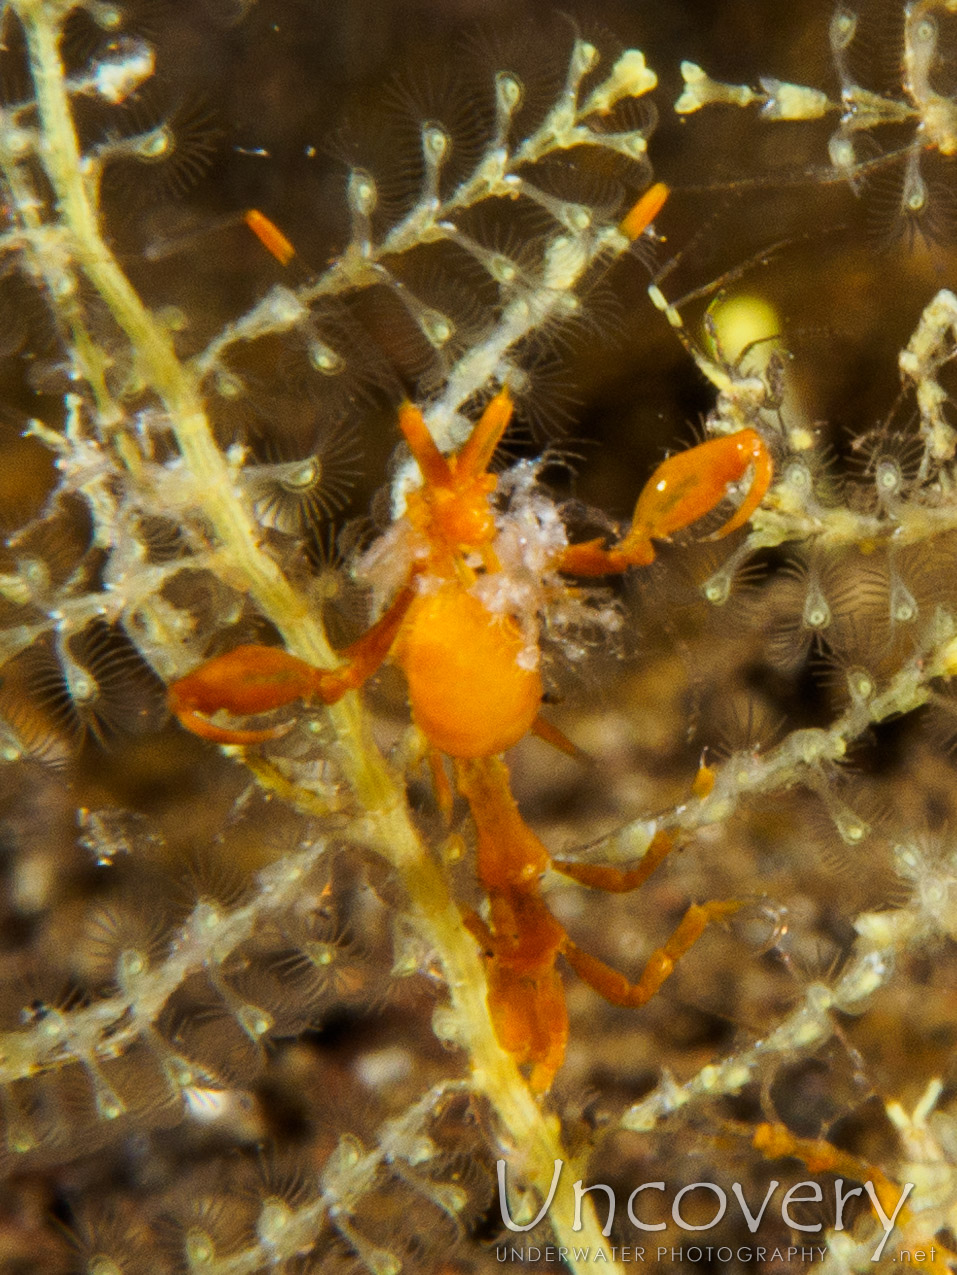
pixel 530 1137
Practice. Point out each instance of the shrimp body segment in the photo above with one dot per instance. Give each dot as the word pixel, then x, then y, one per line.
pixel 468 692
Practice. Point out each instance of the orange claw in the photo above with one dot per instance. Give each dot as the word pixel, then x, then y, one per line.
pixel 690 484
pixel 249 679
pixel 682 489
pixel 256 679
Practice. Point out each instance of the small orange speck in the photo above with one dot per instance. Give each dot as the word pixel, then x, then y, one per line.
pixel 703 782
pixel 270 236
pixel 643 213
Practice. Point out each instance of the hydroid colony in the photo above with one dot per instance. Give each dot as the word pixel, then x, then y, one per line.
pixel 263 1004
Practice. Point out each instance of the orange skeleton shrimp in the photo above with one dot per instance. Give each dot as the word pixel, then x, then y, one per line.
pixel 473 698
pixel 474 693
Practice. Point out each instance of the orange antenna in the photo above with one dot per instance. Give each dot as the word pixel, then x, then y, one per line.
pixel 270 236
